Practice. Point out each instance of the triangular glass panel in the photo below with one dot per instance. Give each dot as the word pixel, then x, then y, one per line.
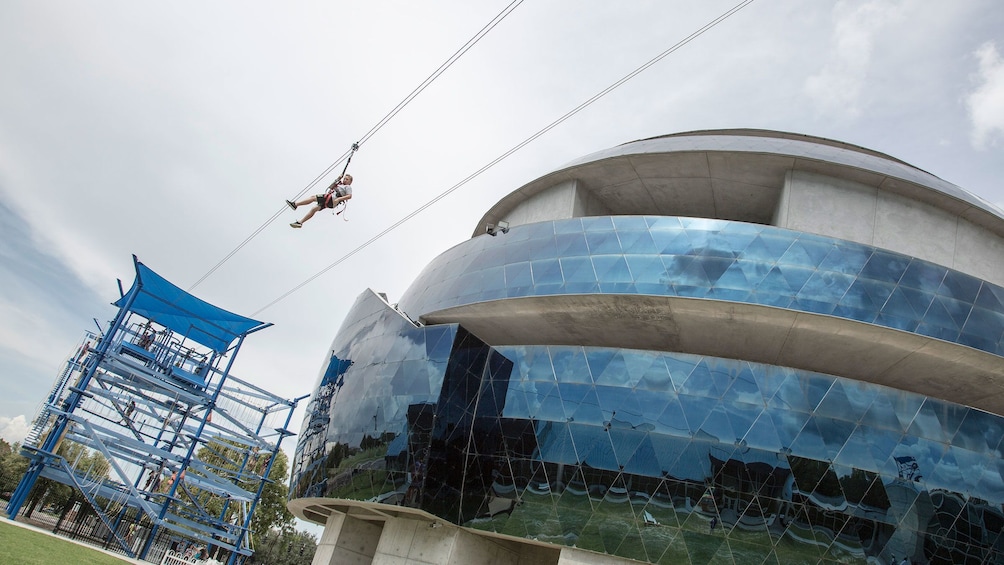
pixel 611 269
pixel 763 435
pixel 569 365
pixel 680 367
pixel 938 420
pixel 741 417
pixel 960 286
pixel 573 496
pixel 717 426
pixel 625 442
pixel 702 547
pixel 656 377
pixel 555 444
pixel 588 410
pixel 766 247
pixel 672 420
pixel 948 314
pixel 805 253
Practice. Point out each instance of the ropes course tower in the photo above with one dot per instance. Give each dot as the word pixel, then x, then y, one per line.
pixel 188 446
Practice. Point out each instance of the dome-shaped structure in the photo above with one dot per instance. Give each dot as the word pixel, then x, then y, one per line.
pixel 736 344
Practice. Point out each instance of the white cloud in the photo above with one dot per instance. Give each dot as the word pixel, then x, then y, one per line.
pixel 986 102
pixel 13 429
pixel 837 87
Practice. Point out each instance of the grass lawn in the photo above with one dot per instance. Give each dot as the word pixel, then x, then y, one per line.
pixel 19 546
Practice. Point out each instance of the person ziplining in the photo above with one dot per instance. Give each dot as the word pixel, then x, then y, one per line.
pixel 338 192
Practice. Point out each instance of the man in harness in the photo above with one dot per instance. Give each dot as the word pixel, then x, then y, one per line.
pixel 337 193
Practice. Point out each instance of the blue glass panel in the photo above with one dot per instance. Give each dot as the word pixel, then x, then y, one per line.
pixel 947 313
pixel 696 409
pixel 555 443
pixel 546 271
pixel 493 279
pixel 713 268
pixel 570 365
pixel 571 225
pixel 589 411
pixel 602 243
pixel 766 247
pixel 867 294
pixel 805 253
pixel 923 276
pixel 785 281
pixel 980 432
pixel 824 287
pixel 885 266
pixel 597 223
pixel 644 462
pixel 674 242
pixel 571 245
pixel 611 268
pixel 577 270
pixel 763 435
pixel 846 258
pixel 541 248
pixel 646 268
pixel 672 420
pixel 634 241
pixel 960 286
pixel 991 297
pixel 518 275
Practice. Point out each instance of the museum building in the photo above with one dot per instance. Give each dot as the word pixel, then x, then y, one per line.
pixel 728 346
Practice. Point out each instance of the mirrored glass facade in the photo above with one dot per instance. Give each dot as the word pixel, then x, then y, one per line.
pixel 665 456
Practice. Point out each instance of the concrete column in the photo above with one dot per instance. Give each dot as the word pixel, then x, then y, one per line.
pixel 347 541
pixel 414 542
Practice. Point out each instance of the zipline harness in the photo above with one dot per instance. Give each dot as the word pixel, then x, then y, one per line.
pixel 333 189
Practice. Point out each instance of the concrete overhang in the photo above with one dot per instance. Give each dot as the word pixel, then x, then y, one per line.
pixel 738 175
pixel 748 332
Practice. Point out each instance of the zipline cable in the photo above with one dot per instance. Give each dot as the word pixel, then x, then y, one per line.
pixel 516 148
pixel 348 154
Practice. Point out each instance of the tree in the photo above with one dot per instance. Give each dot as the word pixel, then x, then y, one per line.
pixel 271 511
pixel 278 547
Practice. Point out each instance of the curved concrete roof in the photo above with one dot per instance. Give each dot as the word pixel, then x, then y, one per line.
pixel 738 174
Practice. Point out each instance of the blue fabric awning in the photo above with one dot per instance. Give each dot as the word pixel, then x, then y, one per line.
pixel 160 301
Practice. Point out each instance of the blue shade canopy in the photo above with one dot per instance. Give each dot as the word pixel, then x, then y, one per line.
pixel 162 302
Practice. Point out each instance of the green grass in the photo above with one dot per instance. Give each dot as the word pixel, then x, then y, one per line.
pixel 19 546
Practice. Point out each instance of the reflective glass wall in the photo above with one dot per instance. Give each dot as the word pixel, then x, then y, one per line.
pixel 719 260
pixel 665 458
pixel 656 456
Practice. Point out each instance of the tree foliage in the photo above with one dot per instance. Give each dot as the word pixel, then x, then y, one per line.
pixel 285 547
pixel 271 511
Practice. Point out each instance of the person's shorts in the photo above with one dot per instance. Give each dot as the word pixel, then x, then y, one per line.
pixel 324 202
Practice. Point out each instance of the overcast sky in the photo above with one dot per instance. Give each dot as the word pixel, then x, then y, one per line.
pixel 173 130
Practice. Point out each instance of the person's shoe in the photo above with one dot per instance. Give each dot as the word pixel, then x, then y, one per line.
pixel 296 225
pixel 291 204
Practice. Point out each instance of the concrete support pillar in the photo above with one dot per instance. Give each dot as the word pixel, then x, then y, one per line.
pixel 347 541
pixel 415 542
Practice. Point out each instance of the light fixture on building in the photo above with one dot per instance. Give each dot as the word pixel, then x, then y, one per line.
pixel 493 229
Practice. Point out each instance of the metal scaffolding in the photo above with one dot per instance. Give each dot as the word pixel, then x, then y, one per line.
pixel 189 446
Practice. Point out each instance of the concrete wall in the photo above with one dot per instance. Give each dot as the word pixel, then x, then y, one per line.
pixel 347 541
pixel 568 199
pixel 845 209
pixel 405 541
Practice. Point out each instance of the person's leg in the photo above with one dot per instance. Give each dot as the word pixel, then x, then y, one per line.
pixel 310 214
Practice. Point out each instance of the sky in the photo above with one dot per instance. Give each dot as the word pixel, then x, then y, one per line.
pixel 175 130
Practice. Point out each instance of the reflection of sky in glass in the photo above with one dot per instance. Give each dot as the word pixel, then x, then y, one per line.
pixel 618 424
pixel 701 258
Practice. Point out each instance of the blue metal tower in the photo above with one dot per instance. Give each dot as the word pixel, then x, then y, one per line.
pixel 189 445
